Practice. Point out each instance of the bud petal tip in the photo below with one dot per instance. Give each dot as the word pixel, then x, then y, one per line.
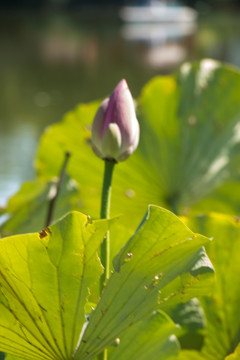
pixel 115 129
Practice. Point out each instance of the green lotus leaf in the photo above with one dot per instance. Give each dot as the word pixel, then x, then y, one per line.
pixel 45 281
pixel 27 210
pixel 222 305
pixel 160 264
pixel 190 354
pixel 188 151
pixel 151 338
pixel 188 148
pixel 190 317
pixel 235 355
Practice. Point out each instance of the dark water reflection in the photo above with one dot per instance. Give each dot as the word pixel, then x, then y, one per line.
pixel 50 63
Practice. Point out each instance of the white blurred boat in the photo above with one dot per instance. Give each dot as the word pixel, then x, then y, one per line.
pixel 157 32
pixel 157 11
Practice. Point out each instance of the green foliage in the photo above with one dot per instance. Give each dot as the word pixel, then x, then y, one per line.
pixel 151 338
pixel 222 305
pixel 235 355
pixel 158 258
pixel 189 127
pixel 30 205
pixel 191 317
pixel 192 121
pixel 187 161
pixel 187 158
pixel 46 279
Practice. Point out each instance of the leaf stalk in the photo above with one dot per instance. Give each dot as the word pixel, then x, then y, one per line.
pixel 105 214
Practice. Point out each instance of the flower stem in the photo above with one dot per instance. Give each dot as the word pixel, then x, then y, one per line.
pixel 52 201
pixel 105 214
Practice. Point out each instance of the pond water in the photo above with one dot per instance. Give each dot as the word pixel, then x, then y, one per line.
pixel 50 63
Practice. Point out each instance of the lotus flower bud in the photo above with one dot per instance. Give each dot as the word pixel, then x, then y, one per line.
pixel 115 129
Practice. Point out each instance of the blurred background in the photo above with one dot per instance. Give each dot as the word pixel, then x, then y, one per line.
pixel 56 54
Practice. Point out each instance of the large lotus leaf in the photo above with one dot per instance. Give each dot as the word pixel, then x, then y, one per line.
pixel 161 253
pixel 188 147
pixel 196 128
pixel 190 355
pixel 222 306
pixel 189 143
pixel 27 210
pixel 190 317
pixel 45 280
pixel 12 357
pixel 194 355
pixel 151 338
pixel 235 355
pixel 225 199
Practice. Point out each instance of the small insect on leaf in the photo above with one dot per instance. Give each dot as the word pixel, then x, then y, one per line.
pixel 44 232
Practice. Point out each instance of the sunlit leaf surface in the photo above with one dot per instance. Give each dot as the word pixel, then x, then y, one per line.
pixel 45 280
pixel 190 355
pixel 151 338
pixel 222 305
pixel 235 355
pixel 157 266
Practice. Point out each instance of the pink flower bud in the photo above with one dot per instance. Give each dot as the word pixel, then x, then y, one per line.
pixel 115 129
